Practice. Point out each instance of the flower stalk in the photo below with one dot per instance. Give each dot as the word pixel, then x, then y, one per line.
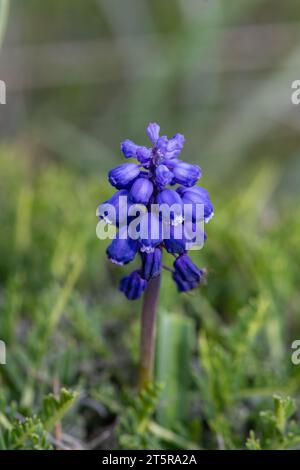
pixel 148 330
pixel 163 190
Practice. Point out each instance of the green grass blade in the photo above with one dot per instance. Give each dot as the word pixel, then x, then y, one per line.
pixel 174 344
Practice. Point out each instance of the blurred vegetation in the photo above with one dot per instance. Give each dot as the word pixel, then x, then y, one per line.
pixel 223 351
pixel 82 76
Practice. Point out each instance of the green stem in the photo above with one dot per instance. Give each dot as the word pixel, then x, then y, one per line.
pixel 4 8
pixel 147 344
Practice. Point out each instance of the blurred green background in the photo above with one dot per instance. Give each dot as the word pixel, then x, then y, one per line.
pixel 81 77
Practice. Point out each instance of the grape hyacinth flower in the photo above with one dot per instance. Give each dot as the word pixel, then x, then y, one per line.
pixel 158 193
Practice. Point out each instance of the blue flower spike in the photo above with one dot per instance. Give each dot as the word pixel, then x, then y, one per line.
pixel 158 179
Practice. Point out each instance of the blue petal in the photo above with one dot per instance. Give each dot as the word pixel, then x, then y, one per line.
pixel 122 175
pixel 184 173
pixel 162 144
pixel 141 190
pixel 153 132
pixel 151 264
pixel 182 284
pixel 197 195
pixel 129 148
pixel 163 176
pixel 143 154
pixel 187 269
pixel 168 198
pixel 133 285
pixel 153 236
pixel 175 145
pixel 122 250
pixel 118 212
pixel 174 240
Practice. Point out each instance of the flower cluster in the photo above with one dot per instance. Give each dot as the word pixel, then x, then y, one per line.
pixel 148 183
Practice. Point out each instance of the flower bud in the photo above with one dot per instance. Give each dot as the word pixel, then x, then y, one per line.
pixel 129 148
pixel 186 274
pixel 163 176
pixel 184 173
pixel 133 285
pixel 122 175
pixel 153 132
pixel 151 264
pixel 141 190
pixel 122 249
